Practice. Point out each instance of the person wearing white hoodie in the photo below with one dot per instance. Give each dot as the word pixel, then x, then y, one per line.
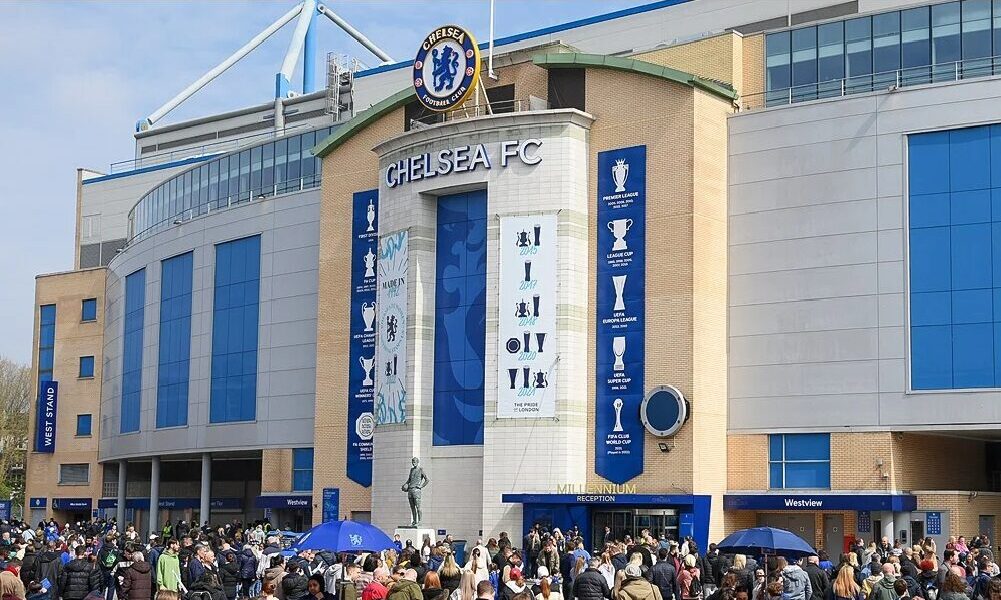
pixel 795 581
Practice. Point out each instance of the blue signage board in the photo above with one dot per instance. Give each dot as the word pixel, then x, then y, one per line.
pixel 863 522
pixel 933 523
pixel 331 504
pixel 71 504
pixel 286 502
pixel 361 349
pixel 45 423
pixel 5 510
pixel 174 503
pixel 891 502
pixel 38 502
pixel 621 292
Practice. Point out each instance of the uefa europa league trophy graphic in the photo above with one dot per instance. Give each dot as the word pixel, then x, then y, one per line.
pixel 368 314
pixel 370 215
pixel 367 364
pixel 620 171
pixel 619 282
pixel 617 405
pixel 369 263
pixel 619 229
pixel 619 349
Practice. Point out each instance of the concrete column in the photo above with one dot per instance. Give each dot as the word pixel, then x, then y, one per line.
pixel 154 496
pixel 203 513
pixel 122 488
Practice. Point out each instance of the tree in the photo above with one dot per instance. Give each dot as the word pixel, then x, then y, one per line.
pixel 15 402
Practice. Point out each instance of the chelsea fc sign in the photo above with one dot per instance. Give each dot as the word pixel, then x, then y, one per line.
pixel 447 68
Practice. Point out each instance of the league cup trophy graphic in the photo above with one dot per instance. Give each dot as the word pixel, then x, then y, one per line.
pixel 617 405
pixel 619 229
pixel 528 271
pixel 367 364
pixel 368 315
pixel 619 349
pixel 370 263
pixel 370 215
pixel 619 282
pixel 620 171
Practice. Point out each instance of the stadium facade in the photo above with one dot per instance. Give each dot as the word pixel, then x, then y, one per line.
pixel 691 266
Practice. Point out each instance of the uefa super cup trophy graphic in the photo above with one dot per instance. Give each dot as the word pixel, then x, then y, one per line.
pixel 370 215
pixel 367 364
pixel 619 282
pixel 619 229
pixel 620 171
pixel 370 263
pixel 617 405
pixel 368 315
pixel 619 349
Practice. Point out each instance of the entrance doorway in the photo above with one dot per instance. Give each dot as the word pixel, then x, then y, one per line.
pixel 834 540
pixel 802 525
pixel 623 522
pixel 986 523
pixel 917 531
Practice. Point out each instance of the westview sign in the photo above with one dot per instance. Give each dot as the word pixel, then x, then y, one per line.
pixel 894 502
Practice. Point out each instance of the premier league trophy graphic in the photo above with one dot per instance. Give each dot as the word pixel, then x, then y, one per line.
pixel 367 364
pixel 368 315
pixel 619 229
pixel 619 349
pixel 369 263
pixel 370 215
pixel 619 282
pixel 617 405
pixel 620 171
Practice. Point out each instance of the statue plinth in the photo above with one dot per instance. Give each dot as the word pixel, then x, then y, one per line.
pixel 416 535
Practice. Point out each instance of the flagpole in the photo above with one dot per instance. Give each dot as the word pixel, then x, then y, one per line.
pixel 490 51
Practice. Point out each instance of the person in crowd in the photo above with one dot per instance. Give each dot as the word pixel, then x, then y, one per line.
pixel 378 589
pixel 80 577
pixel 953 588
pixel 406 588
pixel 636 587
pixel 11 587
pixel 591 585
pixel 136 581
pixel 449 574
pixel 294 584
pixel 666 578
pixel 844 586
pixel 689 580
pixel 900 587
pixel 515 585
pixel 229 573
pixel 432 589
pixel 883 589
pixel 49 566
pixel 819 580
pixel 317 589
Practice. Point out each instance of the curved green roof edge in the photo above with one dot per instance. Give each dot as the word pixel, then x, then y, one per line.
pixel 546 61
pixel 601 61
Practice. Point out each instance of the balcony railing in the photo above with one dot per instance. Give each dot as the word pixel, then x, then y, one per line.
pixel 887 81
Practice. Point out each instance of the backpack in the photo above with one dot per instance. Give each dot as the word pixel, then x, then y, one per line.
pixel 110 558
pixel 695 587
pixel 931 592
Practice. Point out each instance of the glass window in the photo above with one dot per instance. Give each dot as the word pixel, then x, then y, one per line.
pixel 46 341
pixel 86 366
pixel 292 168
pixel 302 469
pixel 945 40
pixel 213 200
pixel 281 157
pixel 885 48
pixel 268 169
pixel 223 182
pixel 88 311
pixel 801 460
pixel 255 171
pixel 234 178
pixel 996 29
pixel 83 425
pixel 778 66
pixel 830 58
pixel 132 350
pixel 804 63
pixel 976 17
pixel 175 341
pixel 74 474
pixel 308 168
pixel 858 54
pixel 915 45
pixel 203 189
pixel 244 176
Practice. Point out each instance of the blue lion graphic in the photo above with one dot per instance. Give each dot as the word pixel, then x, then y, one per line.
pixel 446 67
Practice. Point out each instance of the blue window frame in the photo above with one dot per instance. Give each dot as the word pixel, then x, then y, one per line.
pixel 460 319
pixel 302 470
pixel 83 425
pixel 132 350
pixel 954 208
pixel 175 341
pixel 235 319
pixel 46 341
pixel 86 366
pixel 799 461
pixel 88 310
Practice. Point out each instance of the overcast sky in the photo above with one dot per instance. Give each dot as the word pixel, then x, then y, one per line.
pixel 78 75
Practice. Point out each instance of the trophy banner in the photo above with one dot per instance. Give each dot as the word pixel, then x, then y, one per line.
pixel 361 348
pixel 389 317
pixel 526 329
pixel 620 348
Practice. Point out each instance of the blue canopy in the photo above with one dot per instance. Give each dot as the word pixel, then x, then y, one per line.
pixel 344 536
pixel 765 540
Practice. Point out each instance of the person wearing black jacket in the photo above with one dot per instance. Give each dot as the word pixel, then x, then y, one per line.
pixel 229 572
pixel 248 569
pixel 665 577
pixel 80 577
pixel 591 584
pixel 28 563
pixel 295 584
pixel 50 566
pixel 819 581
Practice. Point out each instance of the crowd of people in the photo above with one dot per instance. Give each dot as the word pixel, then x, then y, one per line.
pixel 96 561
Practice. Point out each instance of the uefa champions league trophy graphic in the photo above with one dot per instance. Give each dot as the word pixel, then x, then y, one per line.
pixel 617 405
pixel 370 215
pixel 619 282
pixel 367 364
pixel 620 171
pixel 619 349
pixel 369 263
pixel 619 229
pixel 368 315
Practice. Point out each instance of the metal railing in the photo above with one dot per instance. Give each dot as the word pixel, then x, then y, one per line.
pixel 887 81
pixel 473 109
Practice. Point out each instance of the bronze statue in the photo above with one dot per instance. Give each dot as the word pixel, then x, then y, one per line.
pixel 416 481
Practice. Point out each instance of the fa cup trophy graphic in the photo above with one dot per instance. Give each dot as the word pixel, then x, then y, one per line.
pixel 620 171
pixel 619 229
pixel 369 263
pixel 617 405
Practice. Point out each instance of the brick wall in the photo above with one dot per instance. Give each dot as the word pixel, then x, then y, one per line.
pixel 923 462
pixel 747 463
pixel 753 72
pixel 964 510
pixel 854 458
pixel 717 57
pixel 76 396
pixel 276 470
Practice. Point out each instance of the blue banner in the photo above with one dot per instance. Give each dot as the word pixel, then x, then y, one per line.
pixel 5 510
pixel 621 292
pixel 45 423
pixel 361 350
pixel 38 502
pixel 274 501
pixel 331 504
pixel 863 522
pixel 933 523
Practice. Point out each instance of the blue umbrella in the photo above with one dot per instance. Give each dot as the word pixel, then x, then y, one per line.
pixel 765 540
pixel 344 536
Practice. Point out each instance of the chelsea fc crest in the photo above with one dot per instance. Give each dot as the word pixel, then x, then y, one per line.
pixel 447 68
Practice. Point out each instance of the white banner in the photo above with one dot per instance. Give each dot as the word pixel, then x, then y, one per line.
pixel 391 345
pixel 527 351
